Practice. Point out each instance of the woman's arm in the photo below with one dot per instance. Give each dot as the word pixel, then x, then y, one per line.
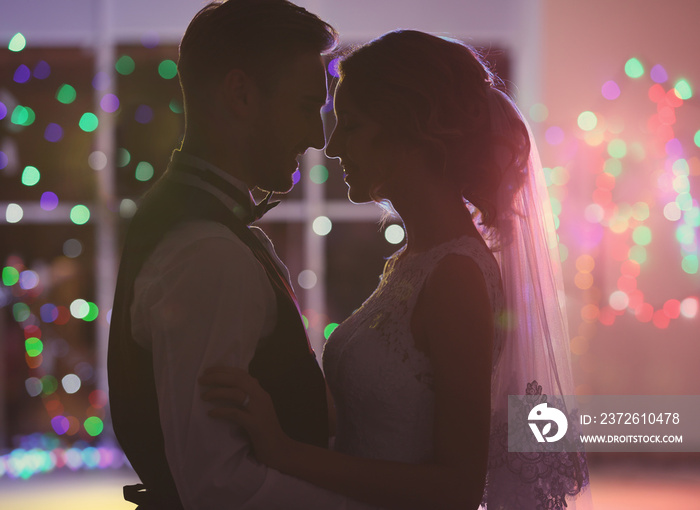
pixel 454 318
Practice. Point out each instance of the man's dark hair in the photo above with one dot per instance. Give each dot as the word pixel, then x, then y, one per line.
pixel 256 36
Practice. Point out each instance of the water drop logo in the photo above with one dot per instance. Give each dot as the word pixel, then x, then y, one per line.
pixel 542 413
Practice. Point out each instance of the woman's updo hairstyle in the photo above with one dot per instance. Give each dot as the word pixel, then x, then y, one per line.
pixel 437 94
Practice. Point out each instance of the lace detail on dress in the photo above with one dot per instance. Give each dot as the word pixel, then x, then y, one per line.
pixel 382 384
pixel 535 480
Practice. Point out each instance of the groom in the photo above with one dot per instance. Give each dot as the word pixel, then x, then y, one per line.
pixel 197 286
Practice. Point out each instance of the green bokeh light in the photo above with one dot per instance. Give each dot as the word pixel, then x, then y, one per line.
pixel 685 234
pixel 34 347
pixel 23 116
pixel 21 312
pixel 66 94
pixel 10 276
pixel 49 384
pixel 587 121
pixel 144 171
pixel 683 90
pixel 684 201
pixel 92 313
pixel 613 166
pixel 79 214
pixel 125 65
pixel 642 235
pixel 692 217
pixel 176 106
pixel 123 157
pixel 690 264
pixel 30 176
pixel 328 330
pixel 318 174
pixel 88 122
pixel 305 321
pixel 617 148
pixel 640 211
pixel 167 69
pixel 681 184
pixel 696 139
pixel 681 167
pixel 539 112
pixel 634 68
pixel 638 254
pixel 17 43
pixel 93 426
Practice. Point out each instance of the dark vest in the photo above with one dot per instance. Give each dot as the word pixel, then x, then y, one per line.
pixel 283 363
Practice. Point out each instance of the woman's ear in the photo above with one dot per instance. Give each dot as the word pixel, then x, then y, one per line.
pixel 240 94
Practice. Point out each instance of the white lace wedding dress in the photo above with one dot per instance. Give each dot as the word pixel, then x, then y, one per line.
pixel 381 383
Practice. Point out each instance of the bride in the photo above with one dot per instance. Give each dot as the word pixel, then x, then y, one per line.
pixel 466 313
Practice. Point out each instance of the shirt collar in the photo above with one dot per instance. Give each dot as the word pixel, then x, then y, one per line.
pixel 179 156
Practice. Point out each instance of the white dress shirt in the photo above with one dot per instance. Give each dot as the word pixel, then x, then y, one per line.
pixel 203 299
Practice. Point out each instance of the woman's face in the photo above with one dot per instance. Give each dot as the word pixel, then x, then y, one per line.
pixel 365 154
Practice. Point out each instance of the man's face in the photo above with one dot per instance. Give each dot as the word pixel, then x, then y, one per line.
pixel 289 123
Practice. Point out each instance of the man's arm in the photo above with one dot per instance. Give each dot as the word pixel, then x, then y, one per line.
pixel 205 303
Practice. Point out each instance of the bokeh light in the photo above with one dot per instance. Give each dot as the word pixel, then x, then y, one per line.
pixel 127 208
pixel 125 65
pixel 66 94
pixel 318 174
pixel 394 234
pixel 71 383
pixel 333 67
pixel 30 176
pixel 23 116
pixel 17 43
pixel 634 68
pixel 53 132
pixel 22 74
pixel 144 114
pixel 658 74
pixel 329 329
pixel 123 157
pixel 683 90
pixel 79 308
pixel 80 214
pixel 10 276
pixel 88 122
pixel 42 70
pixel 322 225
pixel 72 248
pixel 144 171
pixel 93 426
pixel 539 112
pixel 307 279
pixel 587 121
pixel 13 213
pixel 97 160
pixel 554 135
pixel 109 103
pixel 167 69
